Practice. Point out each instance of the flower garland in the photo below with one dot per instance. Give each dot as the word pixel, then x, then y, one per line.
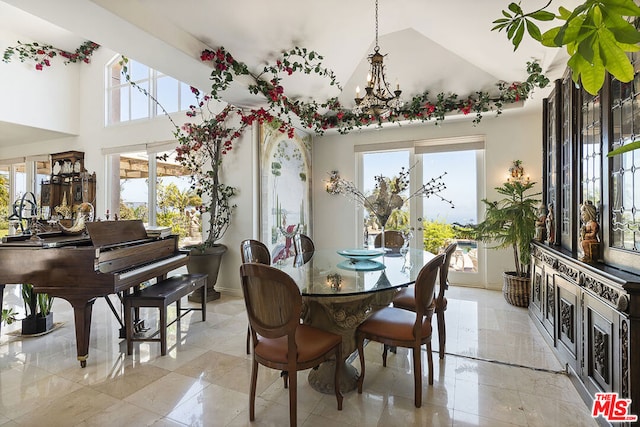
pixel 318 116
pixel 42 54
pixel 330 113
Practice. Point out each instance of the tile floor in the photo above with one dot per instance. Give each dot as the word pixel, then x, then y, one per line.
pixel 204 379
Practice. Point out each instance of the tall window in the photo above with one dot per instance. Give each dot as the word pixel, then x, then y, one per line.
pixel 4 200
pixel 442 223
pixel 156 191
pixel 126 103
pixel 17 177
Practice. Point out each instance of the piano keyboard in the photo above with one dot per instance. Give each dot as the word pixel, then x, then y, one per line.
pixel 124 275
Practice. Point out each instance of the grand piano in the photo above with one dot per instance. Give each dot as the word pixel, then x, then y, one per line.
pixel 111 257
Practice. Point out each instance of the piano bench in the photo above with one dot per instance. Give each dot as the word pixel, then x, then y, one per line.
pixel 160 295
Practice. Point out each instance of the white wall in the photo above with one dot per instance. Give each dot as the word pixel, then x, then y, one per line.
pixel 45 99
pixel 513 135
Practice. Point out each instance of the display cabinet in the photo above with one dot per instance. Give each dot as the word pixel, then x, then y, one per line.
pixel 589 309
pixel 589 315
pixel 68 187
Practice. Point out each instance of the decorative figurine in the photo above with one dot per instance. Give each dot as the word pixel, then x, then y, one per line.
pixel 589 232
pixel 541 224
pixel 551 226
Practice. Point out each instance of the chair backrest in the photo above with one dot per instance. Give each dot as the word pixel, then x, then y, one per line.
pixel 254 251
pixel 444 270
pixel 425 286
pixel 304 249
pixel 273 301
pixel 392 239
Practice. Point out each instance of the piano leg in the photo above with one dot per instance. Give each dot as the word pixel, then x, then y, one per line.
pixel 82 309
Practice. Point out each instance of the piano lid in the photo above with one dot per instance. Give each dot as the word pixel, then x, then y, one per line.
pixel 106 233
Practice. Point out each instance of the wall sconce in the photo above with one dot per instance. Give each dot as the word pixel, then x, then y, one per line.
pixel 516 173
pixel 332 183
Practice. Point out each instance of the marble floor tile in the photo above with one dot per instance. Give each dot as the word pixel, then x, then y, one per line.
pixel 485 378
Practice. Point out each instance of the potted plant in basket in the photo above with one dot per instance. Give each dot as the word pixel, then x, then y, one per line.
pixel 37 307
pixel 511 223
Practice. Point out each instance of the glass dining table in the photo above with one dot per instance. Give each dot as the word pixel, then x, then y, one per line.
pixel 340 288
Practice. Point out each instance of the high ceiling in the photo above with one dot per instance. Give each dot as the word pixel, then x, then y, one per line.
pixel 434 45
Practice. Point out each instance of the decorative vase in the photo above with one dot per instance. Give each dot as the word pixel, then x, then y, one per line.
pixel 207 262
pixel 33 325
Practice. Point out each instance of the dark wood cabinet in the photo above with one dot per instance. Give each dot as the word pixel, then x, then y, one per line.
pixel 590 312
pixel 585 313
pixel 69 185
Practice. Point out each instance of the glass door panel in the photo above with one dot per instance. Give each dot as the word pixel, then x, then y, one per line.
pixel 441 224
pixel 388 164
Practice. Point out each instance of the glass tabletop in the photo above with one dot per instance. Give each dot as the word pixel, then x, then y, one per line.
pixel 330 274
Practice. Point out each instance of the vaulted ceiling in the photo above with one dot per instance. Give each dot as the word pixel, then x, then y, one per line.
pixel 434 45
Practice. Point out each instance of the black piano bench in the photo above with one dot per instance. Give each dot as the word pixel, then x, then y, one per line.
pixel 160 295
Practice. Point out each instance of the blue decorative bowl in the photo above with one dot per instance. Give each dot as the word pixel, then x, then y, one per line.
pixel 362 265
pixel 355 255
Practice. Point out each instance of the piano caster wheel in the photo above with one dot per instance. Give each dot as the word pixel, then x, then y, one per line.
pixel 83 363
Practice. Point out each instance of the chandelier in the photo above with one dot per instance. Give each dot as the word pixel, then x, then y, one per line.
pixel 378 99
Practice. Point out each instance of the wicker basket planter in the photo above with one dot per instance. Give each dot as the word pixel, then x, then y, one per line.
pixel 516 289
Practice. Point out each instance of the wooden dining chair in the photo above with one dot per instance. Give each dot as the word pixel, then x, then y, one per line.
pixel 304 249
pixel 396 327
pixel 280 341
pixel 393 240
pixel 406 298
pixel 254 251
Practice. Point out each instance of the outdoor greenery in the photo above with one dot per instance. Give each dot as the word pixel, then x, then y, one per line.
pixel 597 35
pixel 138 212
pixel 436 235
pixel 173 204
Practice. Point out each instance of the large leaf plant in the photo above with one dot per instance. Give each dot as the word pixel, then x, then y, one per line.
pixel 510 222
pixel 597 35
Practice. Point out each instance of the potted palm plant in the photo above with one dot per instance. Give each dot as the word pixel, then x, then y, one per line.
pixel 510 223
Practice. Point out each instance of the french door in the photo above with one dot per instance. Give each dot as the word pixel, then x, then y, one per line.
pixel 439 219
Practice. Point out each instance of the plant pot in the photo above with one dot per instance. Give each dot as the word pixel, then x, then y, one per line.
pixel 516 289
pixel 37 324
pixel 207 262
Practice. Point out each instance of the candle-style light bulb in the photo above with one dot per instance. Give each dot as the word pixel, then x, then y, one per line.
pixel 397 85
pixel 357 91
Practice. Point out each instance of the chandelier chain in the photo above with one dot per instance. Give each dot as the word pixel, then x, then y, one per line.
pixel 377 48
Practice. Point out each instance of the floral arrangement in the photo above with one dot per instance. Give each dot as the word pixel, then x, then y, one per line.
pixel 389 194
pixel 42 54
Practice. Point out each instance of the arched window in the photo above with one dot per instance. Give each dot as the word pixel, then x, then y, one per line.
pixel 126 103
